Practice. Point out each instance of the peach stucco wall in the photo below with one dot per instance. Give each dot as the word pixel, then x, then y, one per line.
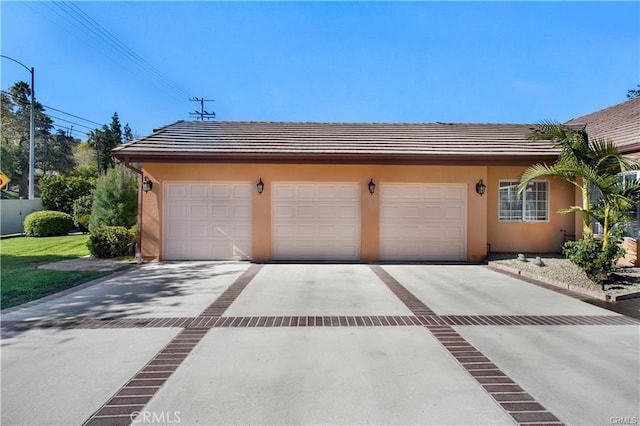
pixel 528 237
pixel 151 228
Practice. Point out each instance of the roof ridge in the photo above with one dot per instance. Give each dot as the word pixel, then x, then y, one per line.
pixel 349 123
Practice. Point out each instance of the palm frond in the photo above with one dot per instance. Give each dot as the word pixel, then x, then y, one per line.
pixel 574 209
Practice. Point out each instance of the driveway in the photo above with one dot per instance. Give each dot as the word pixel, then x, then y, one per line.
pixel 235 343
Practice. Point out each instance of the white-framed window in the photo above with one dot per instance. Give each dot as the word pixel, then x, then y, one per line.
pixel 531 206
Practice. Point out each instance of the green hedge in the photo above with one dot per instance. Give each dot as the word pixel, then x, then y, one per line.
pixel 47 223
pixel 111 241
pixel 59 192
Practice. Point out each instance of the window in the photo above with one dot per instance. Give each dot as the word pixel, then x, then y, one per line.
pixel 532 206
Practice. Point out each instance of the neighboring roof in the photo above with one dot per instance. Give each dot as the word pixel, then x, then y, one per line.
pixel 349 143
pixel 619 123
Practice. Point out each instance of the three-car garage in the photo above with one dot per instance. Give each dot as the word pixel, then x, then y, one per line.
pixel 314 221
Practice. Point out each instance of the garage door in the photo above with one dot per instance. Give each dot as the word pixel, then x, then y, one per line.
pixel 207 221
pixel 316 221
pixel 423 222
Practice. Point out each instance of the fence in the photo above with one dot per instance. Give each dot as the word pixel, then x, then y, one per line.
pixel 13 212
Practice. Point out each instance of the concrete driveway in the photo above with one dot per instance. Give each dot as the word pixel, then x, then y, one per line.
pixel 234 343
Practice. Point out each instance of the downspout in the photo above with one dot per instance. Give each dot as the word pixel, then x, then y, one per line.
pixel 139 236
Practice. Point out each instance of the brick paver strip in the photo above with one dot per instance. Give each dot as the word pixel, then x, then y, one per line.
pixel 460 348
pixel 138 391
pixel 324 321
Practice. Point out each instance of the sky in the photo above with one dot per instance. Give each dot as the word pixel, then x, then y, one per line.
pixel 421 61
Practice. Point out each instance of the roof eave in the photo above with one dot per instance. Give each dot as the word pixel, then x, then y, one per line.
pixel 298 158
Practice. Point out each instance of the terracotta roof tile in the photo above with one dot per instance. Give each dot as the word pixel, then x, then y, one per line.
pixel 361 142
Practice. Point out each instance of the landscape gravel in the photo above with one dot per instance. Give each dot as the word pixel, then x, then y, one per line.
pixel 625 280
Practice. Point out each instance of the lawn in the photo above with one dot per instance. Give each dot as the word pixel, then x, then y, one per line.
pixel 22 282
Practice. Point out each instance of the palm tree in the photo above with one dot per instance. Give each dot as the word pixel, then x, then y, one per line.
pixel 587 164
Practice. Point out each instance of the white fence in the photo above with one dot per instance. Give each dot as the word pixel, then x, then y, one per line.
pixel 13 212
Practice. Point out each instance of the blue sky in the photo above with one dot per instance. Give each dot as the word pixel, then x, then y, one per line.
pixel 504 62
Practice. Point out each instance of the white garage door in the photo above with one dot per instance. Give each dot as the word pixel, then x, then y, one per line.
pixel 207 221
pixel 423 222
pixel 316 221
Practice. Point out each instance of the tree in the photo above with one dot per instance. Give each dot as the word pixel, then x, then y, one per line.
pixel 115 200
pixel 53 152
pixel 128 134
pixel 16 110
pixel 104 140
pixel 589 165
pixel 56 154
pixel 85 158
pixel 634 93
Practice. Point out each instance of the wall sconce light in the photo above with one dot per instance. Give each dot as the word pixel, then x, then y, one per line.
pixel 481 187
pixel 147 185
pixel 260 186
pixel 372 187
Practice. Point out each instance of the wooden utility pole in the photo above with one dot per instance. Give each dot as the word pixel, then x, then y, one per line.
pixel 202 114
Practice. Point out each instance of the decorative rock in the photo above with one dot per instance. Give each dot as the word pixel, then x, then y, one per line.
pixel 538 261
pixel 522 258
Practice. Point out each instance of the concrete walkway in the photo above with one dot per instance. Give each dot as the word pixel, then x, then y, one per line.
pixel 234 343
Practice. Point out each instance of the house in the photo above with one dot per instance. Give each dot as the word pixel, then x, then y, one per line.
pixel 621 124
pixel 344 191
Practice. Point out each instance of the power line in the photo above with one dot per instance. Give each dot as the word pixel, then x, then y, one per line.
pixel 64 112
pixel 99 32
pixel 67 121
pixel 74 116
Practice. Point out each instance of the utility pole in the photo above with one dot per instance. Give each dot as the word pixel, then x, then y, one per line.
pixel 32 130
pixel 202 113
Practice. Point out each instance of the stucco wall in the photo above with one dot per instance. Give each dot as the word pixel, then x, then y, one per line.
pixel 370 231
pixel 528 236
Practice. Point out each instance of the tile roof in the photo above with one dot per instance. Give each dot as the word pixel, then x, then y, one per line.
pixel 410 143
pixel 619 123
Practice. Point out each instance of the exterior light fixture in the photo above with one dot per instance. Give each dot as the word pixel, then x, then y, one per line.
pixel 481 187
pixel 372 187
pixel 147 185
pixel 260 186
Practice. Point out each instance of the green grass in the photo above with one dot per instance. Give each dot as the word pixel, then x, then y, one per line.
pixel 22 282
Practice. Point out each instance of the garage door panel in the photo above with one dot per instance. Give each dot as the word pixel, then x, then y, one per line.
pixel 307 211
pixel 198 211
pixel 207 221
pixel 220 191
pixel 423 222
pixel 432 213
pixel 174 210
pixel 196 191
pixel 174 191
pixel 454 213
pixel 245 212
pixel 316 221
pixel 306 192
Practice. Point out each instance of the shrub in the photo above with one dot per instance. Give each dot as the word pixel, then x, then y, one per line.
pixel 47 223
pixel 110 241
pixel 82 212
pixel 588 254
pixel 115 200
pixel 59 192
